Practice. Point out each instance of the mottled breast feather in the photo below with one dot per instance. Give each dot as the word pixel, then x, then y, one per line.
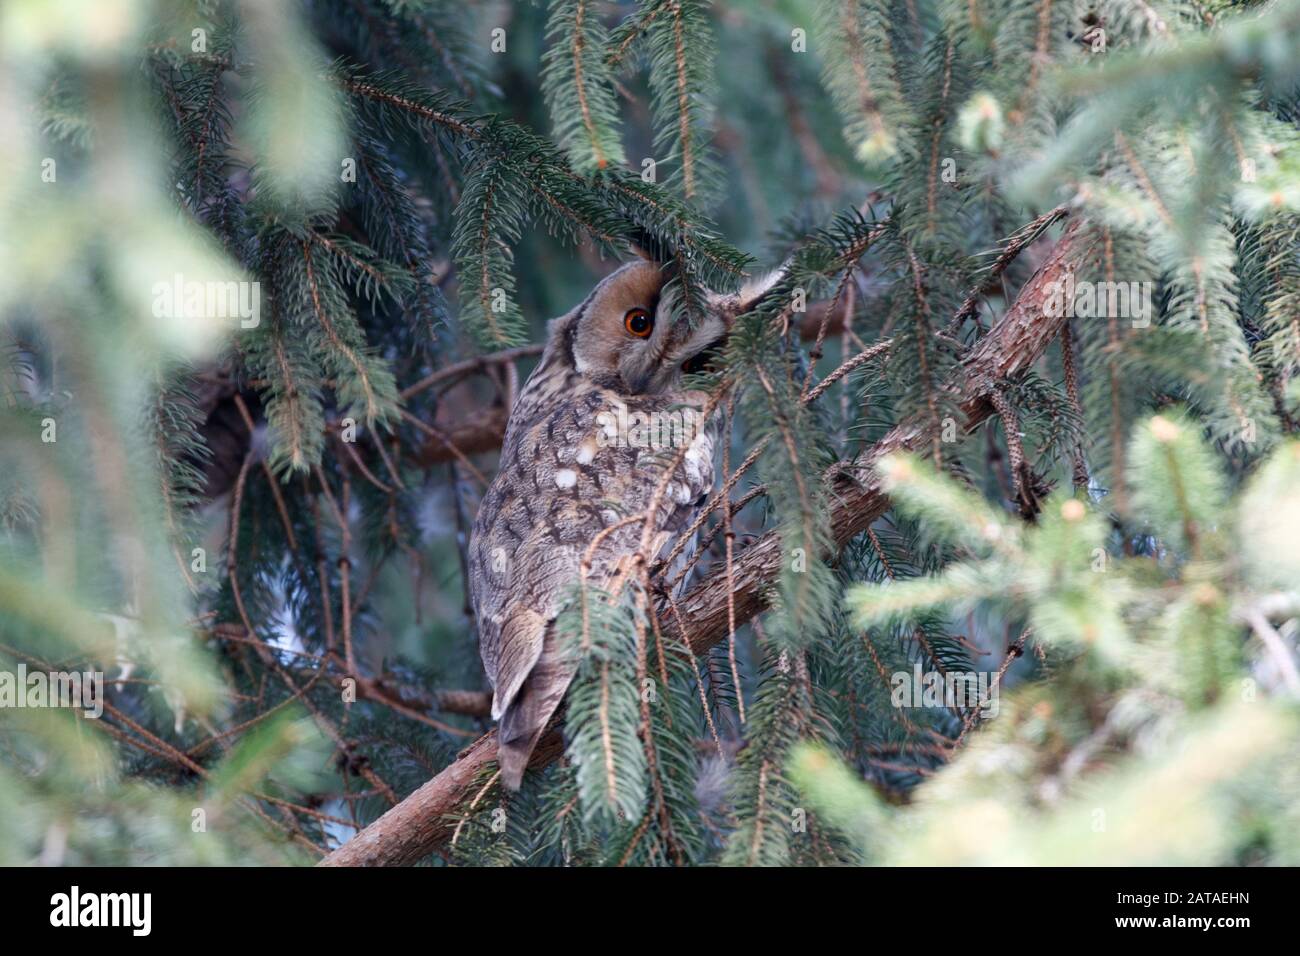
pixel 559 484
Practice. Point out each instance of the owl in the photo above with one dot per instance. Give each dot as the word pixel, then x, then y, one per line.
pixel 601 418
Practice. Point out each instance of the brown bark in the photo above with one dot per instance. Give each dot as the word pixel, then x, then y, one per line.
pixel 481 433
pixel 472 703
pixel 425 819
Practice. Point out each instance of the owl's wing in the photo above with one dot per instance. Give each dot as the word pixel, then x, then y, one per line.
pixel 524 720
pixel 560 489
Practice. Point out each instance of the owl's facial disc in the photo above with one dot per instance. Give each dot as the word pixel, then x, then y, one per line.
pixel 672 349
pixel 628 340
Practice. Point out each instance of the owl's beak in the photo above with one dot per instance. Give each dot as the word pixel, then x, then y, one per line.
pixel 636 384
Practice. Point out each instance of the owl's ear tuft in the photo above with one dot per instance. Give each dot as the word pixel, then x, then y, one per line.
pixel 748 295
pixel 757 287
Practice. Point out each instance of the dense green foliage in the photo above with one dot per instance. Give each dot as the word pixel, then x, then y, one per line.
pixel 254 522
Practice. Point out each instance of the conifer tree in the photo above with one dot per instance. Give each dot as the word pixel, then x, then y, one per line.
pixel 1001 566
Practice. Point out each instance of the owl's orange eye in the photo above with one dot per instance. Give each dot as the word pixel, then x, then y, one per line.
pixel 639 323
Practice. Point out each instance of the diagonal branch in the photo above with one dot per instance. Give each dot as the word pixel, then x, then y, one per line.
pixel 425 819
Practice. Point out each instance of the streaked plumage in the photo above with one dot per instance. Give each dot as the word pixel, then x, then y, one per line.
pixel 559 484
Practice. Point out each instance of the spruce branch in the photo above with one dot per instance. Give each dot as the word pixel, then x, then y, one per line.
pixel 579 87
pixel 426 819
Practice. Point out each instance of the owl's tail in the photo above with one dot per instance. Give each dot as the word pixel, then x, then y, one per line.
pixel 526 717
pixel 513 756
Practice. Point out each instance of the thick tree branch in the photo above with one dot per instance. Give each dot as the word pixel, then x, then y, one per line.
pixel 483 433
pixel 425 819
